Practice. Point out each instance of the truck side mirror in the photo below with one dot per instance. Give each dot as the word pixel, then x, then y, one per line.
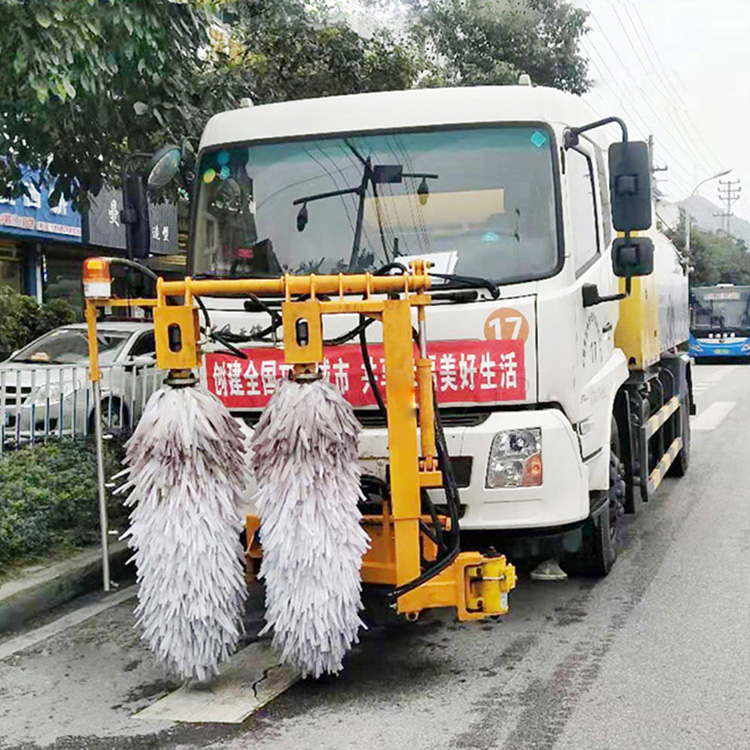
pixel 630 186
pixel 632 256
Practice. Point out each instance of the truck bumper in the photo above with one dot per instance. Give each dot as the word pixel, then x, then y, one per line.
pixel 563 497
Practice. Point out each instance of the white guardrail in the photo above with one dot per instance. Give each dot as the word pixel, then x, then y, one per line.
pixel 50 402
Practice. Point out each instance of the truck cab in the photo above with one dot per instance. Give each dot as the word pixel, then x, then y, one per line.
pixel 563 387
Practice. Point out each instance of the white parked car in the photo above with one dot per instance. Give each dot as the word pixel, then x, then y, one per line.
pixel 45 388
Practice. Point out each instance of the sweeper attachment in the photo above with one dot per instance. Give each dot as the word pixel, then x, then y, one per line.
pixel 305 464
pixel 315 545
pixel 185 475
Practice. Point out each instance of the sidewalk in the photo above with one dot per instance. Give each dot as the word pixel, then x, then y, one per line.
pixel 43 587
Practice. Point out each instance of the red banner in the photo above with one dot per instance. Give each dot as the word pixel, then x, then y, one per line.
pixel 466 372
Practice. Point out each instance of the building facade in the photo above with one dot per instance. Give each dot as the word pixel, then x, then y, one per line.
pixel 42 248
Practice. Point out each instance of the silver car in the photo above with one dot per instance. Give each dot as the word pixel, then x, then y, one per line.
pixel 45 388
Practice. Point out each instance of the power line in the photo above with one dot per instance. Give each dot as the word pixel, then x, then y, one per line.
pixel 621 95
pixel 680 104
pixel 680 137
pixel 673 81
pixel 665 85
pixel 644 96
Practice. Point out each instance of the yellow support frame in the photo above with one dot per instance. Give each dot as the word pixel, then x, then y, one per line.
pixel 475 585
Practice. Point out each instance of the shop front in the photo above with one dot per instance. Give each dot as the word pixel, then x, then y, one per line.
pixel 42 248
pixel 28 225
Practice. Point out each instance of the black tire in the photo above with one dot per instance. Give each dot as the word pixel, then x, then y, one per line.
pixel 682 462
pixel 601 532
pixel 117 426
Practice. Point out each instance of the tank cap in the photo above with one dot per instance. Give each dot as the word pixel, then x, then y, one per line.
pixel 524 79
pixel 246 101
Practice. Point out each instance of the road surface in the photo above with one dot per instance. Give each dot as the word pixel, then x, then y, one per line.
pixel 657 655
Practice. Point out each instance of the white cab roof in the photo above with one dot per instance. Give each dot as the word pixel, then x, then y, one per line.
pixel 416 108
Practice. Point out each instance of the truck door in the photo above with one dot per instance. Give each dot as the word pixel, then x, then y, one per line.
pixel 589 252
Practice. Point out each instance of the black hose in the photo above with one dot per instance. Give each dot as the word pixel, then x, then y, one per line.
pixel 395 265
pixel 145 270
pixel 453 502
pixel 258 302
pixel 217 336
pixel 368 367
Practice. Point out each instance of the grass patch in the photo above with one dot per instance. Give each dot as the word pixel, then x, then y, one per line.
pixel 48 500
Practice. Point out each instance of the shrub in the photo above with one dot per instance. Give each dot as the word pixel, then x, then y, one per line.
pixel 22 319
pixel 48 498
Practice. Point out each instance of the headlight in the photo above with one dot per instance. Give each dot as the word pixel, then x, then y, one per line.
pixel 746 348
pixel 515 459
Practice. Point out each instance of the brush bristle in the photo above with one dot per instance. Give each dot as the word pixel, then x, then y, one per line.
pixel 186 471
pixel 306 466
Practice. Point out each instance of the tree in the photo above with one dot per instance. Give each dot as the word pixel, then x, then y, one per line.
pixel 715 258
pixel 86 82
pixel 294 49
pixel 23 319
pixel 491 42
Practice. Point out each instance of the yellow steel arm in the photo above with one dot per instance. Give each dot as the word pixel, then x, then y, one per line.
pixel 474 584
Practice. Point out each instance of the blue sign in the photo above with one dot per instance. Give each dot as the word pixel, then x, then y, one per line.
pixel 30 217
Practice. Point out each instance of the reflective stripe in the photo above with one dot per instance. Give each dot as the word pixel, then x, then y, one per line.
pixel 657 475
pixel 658 420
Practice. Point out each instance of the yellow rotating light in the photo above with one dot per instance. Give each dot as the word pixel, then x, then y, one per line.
pixel 97 280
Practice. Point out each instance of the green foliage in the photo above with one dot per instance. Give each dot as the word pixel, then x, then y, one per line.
pixel 715 258
pixel 291 49
pixel 22 319
pixel 491 42
pixel 48 499
pixel 87 82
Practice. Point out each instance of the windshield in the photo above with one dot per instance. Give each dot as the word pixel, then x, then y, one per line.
pixel 480 202
pixel 68 346
pixel 716 309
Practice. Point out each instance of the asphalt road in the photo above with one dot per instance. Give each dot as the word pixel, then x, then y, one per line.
pixel 657 655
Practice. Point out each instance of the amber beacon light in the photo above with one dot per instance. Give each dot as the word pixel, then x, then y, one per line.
pixel 97 280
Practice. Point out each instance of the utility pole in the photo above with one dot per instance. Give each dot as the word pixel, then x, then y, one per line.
pixel 729 194
pixel 688 219
pixel 654 170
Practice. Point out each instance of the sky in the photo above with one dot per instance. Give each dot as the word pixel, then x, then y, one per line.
pixel 677 69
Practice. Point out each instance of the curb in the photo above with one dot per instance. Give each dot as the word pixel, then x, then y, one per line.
pixel 39 590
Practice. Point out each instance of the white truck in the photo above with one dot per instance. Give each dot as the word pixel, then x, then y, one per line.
pixel 558 345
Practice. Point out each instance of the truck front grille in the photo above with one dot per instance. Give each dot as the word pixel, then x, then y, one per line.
pixel 373 419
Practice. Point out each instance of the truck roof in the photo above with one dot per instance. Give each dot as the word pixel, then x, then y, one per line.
pixel 389 110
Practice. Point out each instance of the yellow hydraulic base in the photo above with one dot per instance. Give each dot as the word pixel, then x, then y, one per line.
pixel 475 585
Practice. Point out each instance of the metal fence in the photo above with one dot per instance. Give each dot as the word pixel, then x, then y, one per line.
pixel 50 402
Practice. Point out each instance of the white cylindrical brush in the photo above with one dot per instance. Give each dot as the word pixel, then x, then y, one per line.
pixel 307 471
pixel 186 471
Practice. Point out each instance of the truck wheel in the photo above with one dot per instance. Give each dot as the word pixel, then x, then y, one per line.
pixel 601 534
pixel 680 466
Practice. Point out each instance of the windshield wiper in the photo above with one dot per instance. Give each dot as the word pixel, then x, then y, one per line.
pixel 469 281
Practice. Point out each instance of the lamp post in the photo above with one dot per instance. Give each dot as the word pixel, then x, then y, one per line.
pixel 723 173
